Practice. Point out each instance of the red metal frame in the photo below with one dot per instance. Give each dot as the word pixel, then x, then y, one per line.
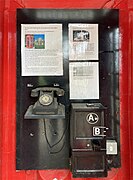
pixel 8 87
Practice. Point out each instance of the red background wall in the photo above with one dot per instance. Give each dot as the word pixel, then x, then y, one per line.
pixel 8 87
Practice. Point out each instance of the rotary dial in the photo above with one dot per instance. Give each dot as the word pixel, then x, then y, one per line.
pixel 45 99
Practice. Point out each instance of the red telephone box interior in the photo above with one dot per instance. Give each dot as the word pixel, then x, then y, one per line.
pixel 8 87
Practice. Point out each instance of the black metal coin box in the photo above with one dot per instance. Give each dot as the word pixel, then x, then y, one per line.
pixel 88 139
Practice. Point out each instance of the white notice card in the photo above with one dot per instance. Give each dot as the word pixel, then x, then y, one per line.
pixel 84 80
pixel 83 41
pixel 41 50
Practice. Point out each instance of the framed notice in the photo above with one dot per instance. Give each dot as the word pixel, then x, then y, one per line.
pixel 84 80
pixel 41 49
pixel 83 41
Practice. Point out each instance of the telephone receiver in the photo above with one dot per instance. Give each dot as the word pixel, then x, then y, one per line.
pixel 36 92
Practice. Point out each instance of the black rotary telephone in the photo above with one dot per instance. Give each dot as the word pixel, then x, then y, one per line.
pixel 47 100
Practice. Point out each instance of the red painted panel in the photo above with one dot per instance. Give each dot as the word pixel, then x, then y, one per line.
pixel 8 90
pixel 1 75
pixel 130 94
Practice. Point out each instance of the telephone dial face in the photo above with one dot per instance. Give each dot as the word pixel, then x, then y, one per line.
pixel 45 99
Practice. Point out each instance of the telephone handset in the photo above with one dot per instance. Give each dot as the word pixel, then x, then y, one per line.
pixel 47 99
pixel 35 92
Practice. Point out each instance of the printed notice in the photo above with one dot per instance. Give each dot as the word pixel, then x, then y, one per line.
pixel 84 80
pixel 83 41
pixel 41 50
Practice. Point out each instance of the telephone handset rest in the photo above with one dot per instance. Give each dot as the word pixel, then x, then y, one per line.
pixel 35 92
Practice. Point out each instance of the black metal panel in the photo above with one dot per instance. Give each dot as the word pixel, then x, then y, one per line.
pixel 89 164
pixel 33 149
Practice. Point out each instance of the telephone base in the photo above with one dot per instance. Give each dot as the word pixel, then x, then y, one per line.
pixel 41 109
pixel 59 115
